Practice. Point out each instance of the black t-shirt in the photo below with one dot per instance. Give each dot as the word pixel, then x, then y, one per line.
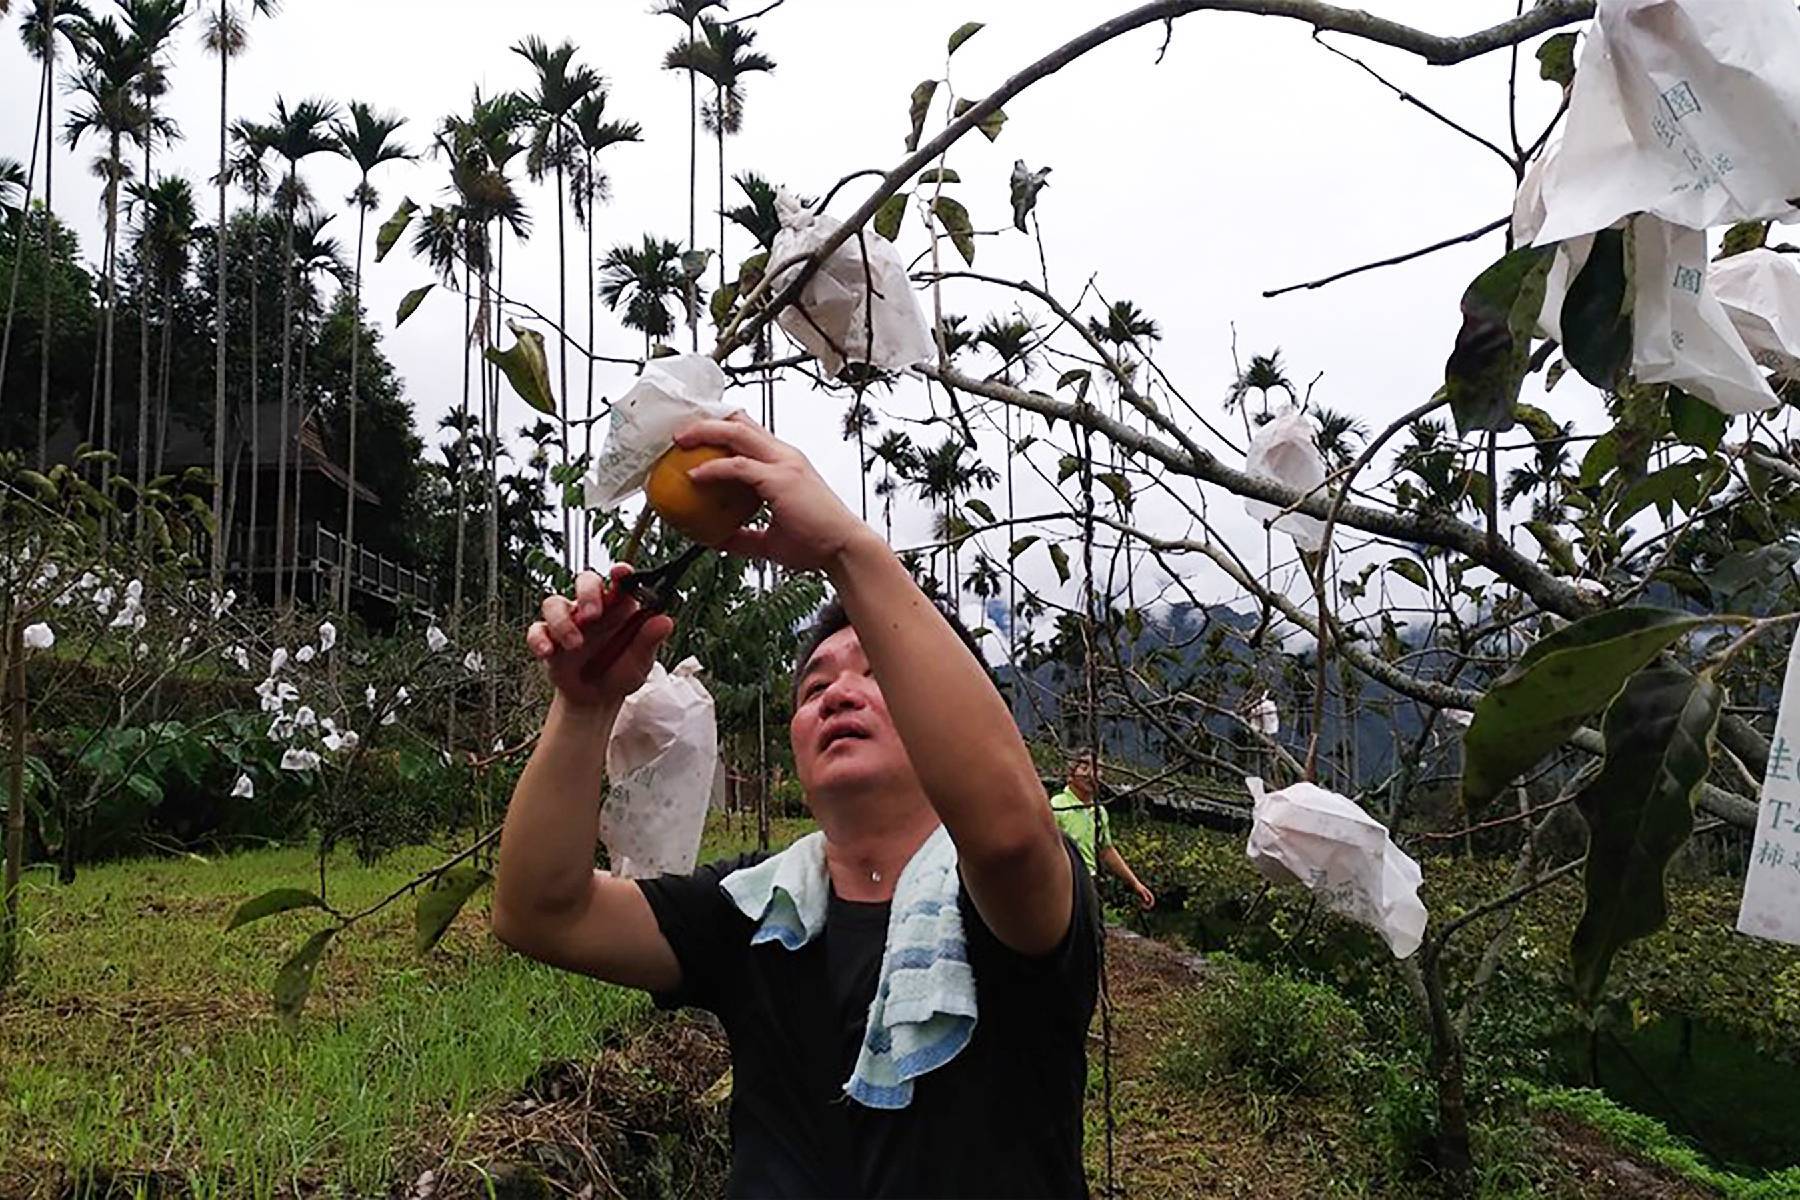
pixel 1003 1118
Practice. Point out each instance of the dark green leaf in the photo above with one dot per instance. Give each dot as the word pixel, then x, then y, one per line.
pixel 1677 484
pixel 1556 547
pixel 921 104
pixel 1068 465
pixel 272 902
pixel 409 303
pixel 1493 349
pixel 1060 559
pixel 723 301
pixel 990 124
pixel 440 901
pixel 1639 811
pixel 1696 422
pixel 1117 485
pixel 1410 571
pixel 1556 59
pixel 1744 237
pixel 1026 184
pixel 891 213
pixel 42 486
pixel 938 175
pixel 954 219
pixel 1742 571
pixel 1021 546
pixel 294 981
pixel 693 263
pixel 1079 379
pixel 963 33
pixel 393 227
pixel 1600 461
pixel 1540 424
pixel 1558 683
pixel 526 368
pixel 145 788
pixel 1596 313
pixel 981 509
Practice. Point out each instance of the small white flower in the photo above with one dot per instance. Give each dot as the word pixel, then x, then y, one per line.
pixel 143 649
pixel 328 725
pixel 134 591
pixel 472 662
pixel 435 639
pixel 299 760
pixel 50 571
pixel 369 695
pixel 499 745
pixel 345 741
pixel 244 788
pixel 39 637
pixel 87 582
pixel 186 644
pixel 305 719
pixel 138 620
pixel 402 696
pixel 304 654
pixel 327 637
pixel 388 718
pixel 127 617
pixel 281 729
pixel 240 656
pixel 103 598
pixel 278 660
pixel 221 603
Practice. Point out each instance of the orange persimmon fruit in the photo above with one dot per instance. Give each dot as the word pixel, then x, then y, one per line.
pixel 707 512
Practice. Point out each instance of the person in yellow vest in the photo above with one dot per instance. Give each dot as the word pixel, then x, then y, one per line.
pixel 1084 822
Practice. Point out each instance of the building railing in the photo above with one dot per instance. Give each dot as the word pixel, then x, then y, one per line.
pixel 322 554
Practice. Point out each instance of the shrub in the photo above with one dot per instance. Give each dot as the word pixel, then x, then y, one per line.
pixel 1268 1033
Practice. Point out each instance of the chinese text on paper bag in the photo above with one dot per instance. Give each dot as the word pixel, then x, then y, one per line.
pixel 1771 907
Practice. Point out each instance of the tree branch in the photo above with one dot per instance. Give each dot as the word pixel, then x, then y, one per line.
pixel 1458 240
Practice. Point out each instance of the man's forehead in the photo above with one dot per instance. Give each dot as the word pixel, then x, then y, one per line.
pixel 834 649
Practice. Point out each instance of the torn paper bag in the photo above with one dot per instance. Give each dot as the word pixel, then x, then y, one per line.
pixel 660 766
pixel 845 298
pixel 1760 290
pixel 1685 109
pixel 670 395
pixel 1307 835
pixel 1286 451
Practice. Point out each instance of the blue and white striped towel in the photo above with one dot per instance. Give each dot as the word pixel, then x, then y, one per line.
pixel 923 1013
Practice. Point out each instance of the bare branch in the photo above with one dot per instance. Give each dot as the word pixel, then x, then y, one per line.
pixel 1458 240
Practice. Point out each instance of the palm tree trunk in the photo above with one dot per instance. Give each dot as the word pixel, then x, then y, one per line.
pixel 362 220
pixel 287 352
pixel 143 407
pixel 113 166
pixel 694 187
pixel 45 339
pixel 493 461
pixel 301 415
pixel 721 116
pixel 12 291
pixel 459 500
pixel 562 328
pixel 587 444
pixel 218 499
pixel 252 528
pixel 163 359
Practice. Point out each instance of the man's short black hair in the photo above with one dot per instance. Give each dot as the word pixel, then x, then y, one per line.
pixel 833 618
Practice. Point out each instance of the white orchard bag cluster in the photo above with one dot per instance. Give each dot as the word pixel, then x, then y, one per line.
pixel 660 767
pixel 1684 116
pixel 1286 451
pixel 1304 834
pixel 861 289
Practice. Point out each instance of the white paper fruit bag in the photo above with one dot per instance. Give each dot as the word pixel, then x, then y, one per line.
pixel 670 395
pixel 1327 843
pixel 1688 110
pixel 837 307
pixel 1286 450
pixel 660 766
pixel 1760 290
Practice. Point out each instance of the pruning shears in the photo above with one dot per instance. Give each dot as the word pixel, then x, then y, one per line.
pixel 655 592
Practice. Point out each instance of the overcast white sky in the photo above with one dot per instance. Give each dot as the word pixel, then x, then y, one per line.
pixel 1250 158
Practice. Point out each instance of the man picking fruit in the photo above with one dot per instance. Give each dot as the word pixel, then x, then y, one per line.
pixel 907 992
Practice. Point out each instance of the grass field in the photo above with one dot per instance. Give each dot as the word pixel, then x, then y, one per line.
pixel 141 1042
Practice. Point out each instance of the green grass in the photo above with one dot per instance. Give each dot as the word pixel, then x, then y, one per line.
pixel 141 1037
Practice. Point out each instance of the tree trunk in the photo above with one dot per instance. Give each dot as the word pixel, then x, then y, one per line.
pixel 562 328
pixel 12 291
pixel 45 334
pixel 1455 1160
pixel 362 219
pixel 721 115
pixel 162 391
pixel 693 188
pixel 287 351
pixel 113 166
pixel 255 381
pixel 587 441
pixel 12 667
pixel 217 566
pixel 143 406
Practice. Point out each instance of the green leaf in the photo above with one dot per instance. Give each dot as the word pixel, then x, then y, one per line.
pixel 1493 349
pixel 1677 484
pixel 1596 313
pixel 981 509
pixel 1558 683
pixel 990 124
pixel 1066 467
pixel 723 301
pixel 938 175
pixel 890 214
pixel 393 227
pixel 963 33
pixel 1696 422
pixel 1410 571
pixel 1117 485
pixel 271 902
pixel 526 368
pixel 1744 237
pixel 1556 59
pixel 1742 571
pixel 1026 184
pixel 1639 811
pixel 41 485
pixel 409 303
pixel 1060 559
pixel 921 105
pixel 1021 546
pixel 1556 547
pixel 440 901
pixel 1540 424
pixel 1079 379
pixel 293 983
pixel 145 787
pixel 1600 461
pixel 693 263
pixel 954 219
